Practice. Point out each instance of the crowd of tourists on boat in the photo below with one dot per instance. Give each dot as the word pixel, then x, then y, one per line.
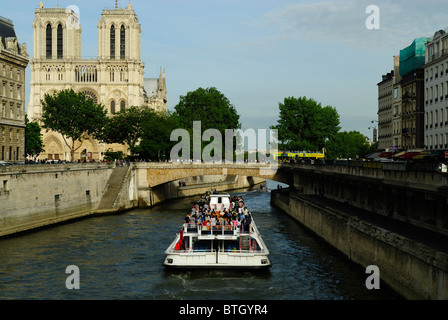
pixel 235 217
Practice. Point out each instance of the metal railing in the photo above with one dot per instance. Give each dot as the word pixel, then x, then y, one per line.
pixel 209 230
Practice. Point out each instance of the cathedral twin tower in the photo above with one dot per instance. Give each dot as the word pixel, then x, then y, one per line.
pixel 115 78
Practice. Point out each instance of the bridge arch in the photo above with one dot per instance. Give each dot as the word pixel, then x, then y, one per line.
pixel 155 174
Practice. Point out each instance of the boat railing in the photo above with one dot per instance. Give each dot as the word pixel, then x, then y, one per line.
pixel 224 230
pixel 210 250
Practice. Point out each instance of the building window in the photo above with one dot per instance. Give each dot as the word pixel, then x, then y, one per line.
pixel 112 106
pixel 112 42
pixel 60 44
pixel 395 93
pixel 49 41
pixel 122 42
pixel 122 105
pixel 90 95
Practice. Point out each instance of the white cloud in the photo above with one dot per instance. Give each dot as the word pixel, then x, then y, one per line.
pixel 343 22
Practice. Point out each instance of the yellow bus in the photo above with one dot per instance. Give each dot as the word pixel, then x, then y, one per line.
pixel 299 154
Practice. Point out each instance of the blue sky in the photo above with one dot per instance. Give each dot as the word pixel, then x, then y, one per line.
pixel 257 52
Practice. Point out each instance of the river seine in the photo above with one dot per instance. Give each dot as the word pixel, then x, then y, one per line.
pixel 120 257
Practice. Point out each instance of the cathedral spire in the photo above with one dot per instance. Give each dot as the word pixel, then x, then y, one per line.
pixel 116 4
pixel 41 5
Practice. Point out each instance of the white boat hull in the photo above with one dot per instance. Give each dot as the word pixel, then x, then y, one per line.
pixel 217 260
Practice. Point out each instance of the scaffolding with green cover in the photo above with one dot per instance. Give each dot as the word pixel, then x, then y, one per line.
pixel 413 56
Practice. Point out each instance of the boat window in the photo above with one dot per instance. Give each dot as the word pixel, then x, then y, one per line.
pixel 219 200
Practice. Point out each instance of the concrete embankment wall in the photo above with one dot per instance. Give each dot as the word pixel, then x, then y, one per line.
pixel 40 195
pixel 36 196
pixel 412 269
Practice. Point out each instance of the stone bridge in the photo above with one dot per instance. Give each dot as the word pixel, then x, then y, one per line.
pixel 154 182
pixel 416 195
pixel 154 174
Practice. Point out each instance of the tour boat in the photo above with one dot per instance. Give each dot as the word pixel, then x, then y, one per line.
pixel 198 245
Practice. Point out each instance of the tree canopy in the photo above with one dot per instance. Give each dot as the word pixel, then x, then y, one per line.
pixel 305 125
pixel 155 141
pixel 209 106
pixel 74 116
pixel 348 145
pixel 213 109
pixel 144 130
pixel 33 138
pixel 125 127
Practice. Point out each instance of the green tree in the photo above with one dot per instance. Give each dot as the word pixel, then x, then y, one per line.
pixel 212 108
pixel 155 142
pixel 349 145
pixel 33 138
pixel 125 127
pixel 305 125
pixel 74 116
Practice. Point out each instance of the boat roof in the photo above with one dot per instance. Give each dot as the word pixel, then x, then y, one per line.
pixel 220 195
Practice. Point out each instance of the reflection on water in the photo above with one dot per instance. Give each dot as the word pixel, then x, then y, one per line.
pixel 120 257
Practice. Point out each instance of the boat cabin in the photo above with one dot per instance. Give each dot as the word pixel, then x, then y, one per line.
pixel 219 202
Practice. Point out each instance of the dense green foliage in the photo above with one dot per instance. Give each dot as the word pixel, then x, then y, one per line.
pixel 305 125
pixel 126 126
pixel 145 131
pixel 348 145
pixel 214 110
pixel 33 138
pixel 74 116
pixel 209 106
pixel 155 141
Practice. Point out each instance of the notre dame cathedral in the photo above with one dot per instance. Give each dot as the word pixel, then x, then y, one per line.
pixel 115 78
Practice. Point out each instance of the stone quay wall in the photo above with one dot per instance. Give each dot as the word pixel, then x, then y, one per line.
pixel 36 196
pixel 412 269
pixel 33 196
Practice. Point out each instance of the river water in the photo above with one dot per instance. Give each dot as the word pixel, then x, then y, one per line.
pixel 120 257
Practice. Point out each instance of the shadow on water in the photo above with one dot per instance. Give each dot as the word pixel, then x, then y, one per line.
pixel 217 273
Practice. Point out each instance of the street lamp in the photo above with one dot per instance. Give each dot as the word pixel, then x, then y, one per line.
pixel 374 133
pixel 374 130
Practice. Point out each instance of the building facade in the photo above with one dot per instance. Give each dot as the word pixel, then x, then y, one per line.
pixel 115 78
pixel 13 62
pixel 397 107
pixel 412 115
pixel 436 92
pixel 385 97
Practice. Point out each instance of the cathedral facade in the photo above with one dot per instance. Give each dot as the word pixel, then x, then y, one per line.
pixel 115 78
